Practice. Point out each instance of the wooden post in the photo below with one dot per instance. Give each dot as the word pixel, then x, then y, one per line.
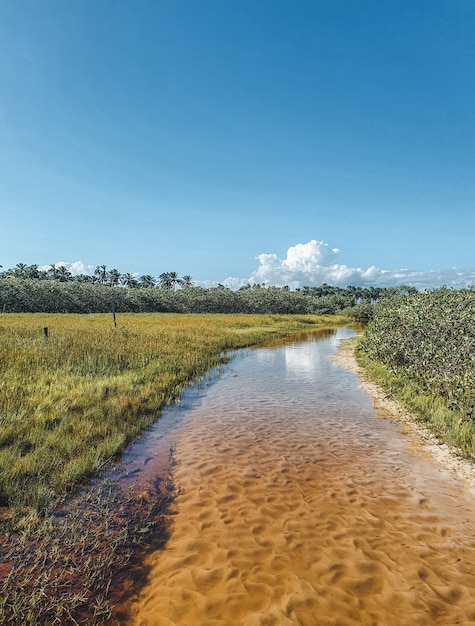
pixel 45 333
pixel 113 314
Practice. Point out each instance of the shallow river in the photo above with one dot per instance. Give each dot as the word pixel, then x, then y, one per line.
pixel 297 504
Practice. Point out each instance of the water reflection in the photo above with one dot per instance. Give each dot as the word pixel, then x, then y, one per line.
pixel 302 361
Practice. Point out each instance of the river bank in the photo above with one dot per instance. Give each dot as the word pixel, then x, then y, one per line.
pixel 448 458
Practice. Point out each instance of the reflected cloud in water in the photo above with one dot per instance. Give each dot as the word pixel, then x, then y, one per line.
pixel 302 361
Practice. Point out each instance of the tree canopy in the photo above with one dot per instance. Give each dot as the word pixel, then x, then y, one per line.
pixel 26 288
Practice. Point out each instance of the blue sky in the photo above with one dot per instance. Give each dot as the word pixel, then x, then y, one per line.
pixel 278 141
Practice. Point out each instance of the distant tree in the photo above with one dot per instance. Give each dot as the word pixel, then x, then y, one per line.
pixel 33 271
pixel 63 274
pixel 114 277
pixel 52 271
pixel 174 279
pixel 187 281
pixel 165 280
pixel 84 278
pixel 101 273
pixel 147 281
pixel 129 280
pixel 20 270
pixel 325 290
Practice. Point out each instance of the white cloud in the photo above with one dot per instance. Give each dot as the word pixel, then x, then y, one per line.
pixel 76 267
pixel 314 263
pixel 454 277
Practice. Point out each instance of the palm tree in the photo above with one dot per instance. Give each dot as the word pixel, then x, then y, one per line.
pixel 63 274
pixel 33 271
pixel 147 281
pixel 165 280
pixel 101 273
pixel 20 270
pixel 84 278
pixel 174 279
pixel 128 280
pixel 114 277
pixel 187 281
pixel 53 271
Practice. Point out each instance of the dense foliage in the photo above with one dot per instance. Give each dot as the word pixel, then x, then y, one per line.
pixel 428 339
pixel 30 295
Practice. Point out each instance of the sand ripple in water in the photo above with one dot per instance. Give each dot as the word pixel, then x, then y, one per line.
pixel 307 510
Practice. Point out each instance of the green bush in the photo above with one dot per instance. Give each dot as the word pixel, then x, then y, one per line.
pixel 29 295
pixel 428 340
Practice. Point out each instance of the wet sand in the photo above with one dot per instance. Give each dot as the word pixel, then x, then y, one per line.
pixel 308 511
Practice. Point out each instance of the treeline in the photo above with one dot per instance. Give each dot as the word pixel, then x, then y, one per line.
pixel 29 295
pixel 101 276
pixel 426 345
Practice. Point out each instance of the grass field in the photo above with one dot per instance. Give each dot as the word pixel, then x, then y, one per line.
pixel 70 402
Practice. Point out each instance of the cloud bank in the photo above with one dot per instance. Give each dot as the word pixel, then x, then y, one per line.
pixel 76 267
pixel 314 263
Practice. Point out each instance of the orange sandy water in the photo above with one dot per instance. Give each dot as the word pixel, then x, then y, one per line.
pixel 298 505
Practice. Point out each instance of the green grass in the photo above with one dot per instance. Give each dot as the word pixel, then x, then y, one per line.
pixel 70 404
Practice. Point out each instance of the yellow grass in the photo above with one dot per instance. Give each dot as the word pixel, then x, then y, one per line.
pixel 70 403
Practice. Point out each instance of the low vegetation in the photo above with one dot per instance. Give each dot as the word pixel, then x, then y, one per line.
pixel 54 295
pixel 57 567
pixel 421 347
pixel 71 399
